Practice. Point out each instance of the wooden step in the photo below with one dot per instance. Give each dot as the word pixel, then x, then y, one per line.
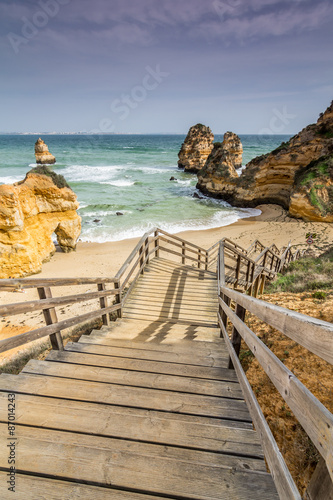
pixel 135 379
pixel 135 397
pixel 93 356
pixel 135 466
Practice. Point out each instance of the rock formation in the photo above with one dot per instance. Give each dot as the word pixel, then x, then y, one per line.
pixel 271 178
pixel 196 148
pixel 233 146
pixel 43 156
pixel 30 212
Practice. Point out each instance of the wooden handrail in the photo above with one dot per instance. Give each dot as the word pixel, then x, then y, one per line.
pixel 25 283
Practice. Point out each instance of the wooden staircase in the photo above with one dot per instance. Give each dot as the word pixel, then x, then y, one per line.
pixel 148 407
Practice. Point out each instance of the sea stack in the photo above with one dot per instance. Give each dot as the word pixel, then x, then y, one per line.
pixel 30 212
pixel 221 166
pixel 43 156
pixel 297 175
pixel 196 148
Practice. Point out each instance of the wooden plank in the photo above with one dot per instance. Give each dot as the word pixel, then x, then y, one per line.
pixel 170 298
pixel 135 466
pixel 279 470
pixel 120 395
pixel 50 317
pixel 135 379
pixel 143 312
pixel 206 307
pixel 96 358
pixel 313 334
pixel 200 311
pixel 186 431
pixel 315 418
pixel 202 347
pixel 12 284
pixel 41 488
pixel 27 337
pixel 321 485
pixel 163 318
pixel 37 305
pixel 210 358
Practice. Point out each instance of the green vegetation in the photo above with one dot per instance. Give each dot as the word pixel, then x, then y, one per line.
pixel 306 274
pixel 58 180
pixel 283 146
pixel 314 178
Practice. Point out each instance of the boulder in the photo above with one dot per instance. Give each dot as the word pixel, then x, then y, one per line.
pixel 196 148
pixel 43 156
pixel 30 212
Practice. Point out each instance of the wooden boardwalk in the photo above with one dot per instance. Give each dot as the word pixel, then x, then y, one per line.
pixel 144 409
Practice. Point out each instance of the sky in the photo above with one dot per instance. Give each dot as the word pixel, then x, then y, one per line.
pixel 161 66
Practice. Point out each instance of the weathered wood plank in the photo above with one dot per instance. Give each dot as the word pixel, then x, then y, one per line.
pixel 135 466
pixel 34 487
pixel 12 284
pixel 187 431
pixel 314 417
pixel 164 317
pixel 135 379
pixel 313 334
pixel 135 397
pixel 95 357
pixel 279 470
pixel 209 358
pixel 321 485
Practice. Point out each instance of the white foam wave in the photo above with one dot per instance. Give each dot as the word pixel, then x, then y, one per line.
pixel 185 183
pixel 81 173
pixel 219 219
pixel 119 183
pixel 128 147
pixel 10 179
pixel 154 170
pixel 105 213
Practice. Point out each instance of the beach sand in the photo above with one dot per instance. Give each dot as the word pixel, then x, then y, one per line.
pixel 105 259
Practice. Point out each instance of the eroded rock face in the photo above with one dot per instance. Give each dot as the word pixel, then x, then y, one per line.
pixel 30 212
pixel 312 195
pixel 196 148
pixel 43 156
pixel 271 178
pixel 233 145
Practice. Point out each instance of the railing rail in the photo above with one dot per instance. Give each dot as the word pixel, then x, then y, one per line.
pixel 313 334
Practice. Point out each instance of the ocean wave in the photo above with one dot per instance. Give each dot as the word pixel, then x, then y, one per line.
pixel 185 183
pixel 119 183
pixel 10 179
pixel 222 218
pixel 81 173
pixel 155 170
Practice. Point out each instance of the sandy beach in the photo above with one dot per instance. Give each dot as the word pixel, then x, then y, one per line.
pixel 105 259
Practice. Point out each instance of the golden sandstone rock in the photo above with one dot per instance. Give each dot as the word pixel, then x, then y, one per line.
pixel 196 148
pixel 271 178
pixel 43 156
pixel 30 212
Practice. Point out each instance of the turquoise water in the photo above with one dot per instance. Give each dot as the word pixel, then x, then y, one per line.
pixel 128 174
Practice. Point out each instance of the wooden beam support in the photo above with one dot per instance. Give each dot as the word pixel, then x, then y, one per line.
pixel 50 317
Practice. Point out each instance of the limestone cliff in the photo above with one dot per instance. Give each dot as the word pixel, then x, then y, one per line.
pixel 30 212
pixel 312 195
pixel 196 148
pixel 271 178
pixel 43 156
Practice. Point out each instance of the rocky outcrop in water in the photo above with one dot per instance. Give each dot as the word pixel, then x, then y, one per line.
pixel 43 156
pixel 233 146
pixel 30 212
pixel 271 178
pixel 196 148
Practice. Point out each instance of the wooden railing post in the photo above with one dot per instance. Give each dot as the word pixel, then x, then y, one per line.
pixel 321 485
pixel 118 298
pixel 262 284
pixel 223 315
pixel 104 303
pixel 237 271
pixel 199 259
pixel 157 243
pixel 50 317
pixel 236 339
pixel 147 251
pixel 142 258
pixel 183 253
pixel 207 261
pixel 256 286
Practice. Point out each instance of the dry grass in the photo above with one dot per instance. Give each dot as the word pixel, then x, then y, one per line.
pixel 299 452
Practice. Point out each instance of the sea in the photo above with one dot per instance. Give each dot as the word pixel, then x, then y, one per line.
pixel 129 175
